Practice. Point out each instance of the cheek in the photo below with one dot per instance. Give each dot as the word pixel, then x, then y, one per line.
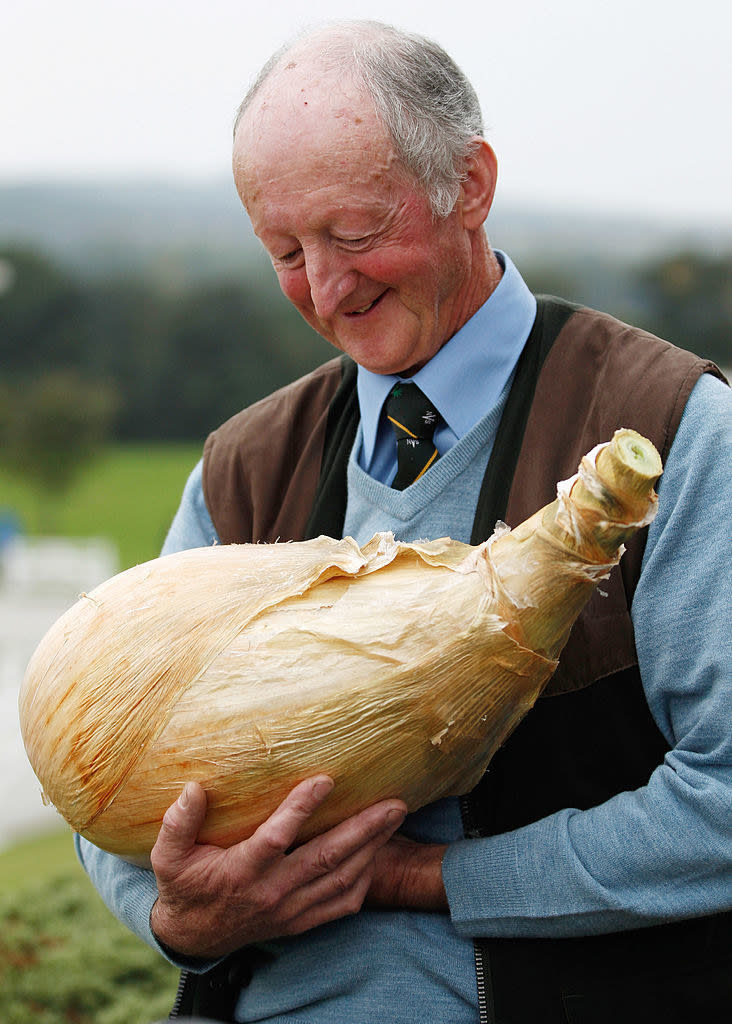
pixel 409 265
pixel 387 267
pixel 295 286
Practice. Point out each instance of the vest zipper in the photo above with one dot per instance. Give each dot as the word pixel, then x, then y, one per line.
pixel 482 967
pixel 182 984
pixel 482 978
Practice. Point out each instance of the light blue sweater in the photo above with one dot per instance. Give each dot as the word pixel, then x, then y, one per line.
pixel 659 853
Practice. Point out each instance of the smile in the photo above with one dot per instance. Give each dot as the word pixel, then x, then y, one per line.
pixel 369 306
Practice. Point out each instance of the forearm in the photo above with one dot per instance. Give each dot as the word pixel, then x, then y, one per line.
pixel 639 859
pixel 128 891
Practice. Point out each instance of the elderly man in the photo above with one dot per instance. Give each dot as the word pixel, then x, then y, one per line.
pixel 587 877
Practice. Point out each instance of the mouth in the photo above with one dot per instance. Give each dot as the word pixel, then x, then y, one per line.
pixel 363 310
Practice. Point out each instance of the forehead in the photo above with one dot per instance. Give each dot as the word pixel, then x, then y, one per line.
pixel 307 124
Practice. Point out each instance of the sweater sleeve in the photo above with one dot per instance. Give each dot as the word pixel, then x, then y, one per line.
pixel 664 851
pixel 127 890
pixel 192 526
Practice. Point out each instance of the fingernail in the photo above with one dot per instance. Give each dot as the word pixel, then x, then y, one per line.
pixel 322 788
pixel 184 798
pixel 395 817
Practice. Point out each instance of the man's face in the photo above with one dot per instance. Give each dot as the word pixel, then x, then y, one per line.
pixel 352 238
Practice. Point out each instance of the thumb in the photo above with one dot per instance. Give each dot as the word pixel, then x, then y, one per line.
pixel 181 823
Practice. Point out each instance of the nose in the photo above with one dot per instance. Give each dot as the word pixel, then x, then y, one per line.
pixel 331 279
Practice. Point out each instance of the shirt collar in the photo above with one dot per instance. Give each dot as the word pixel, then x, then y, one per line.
pixel 483 351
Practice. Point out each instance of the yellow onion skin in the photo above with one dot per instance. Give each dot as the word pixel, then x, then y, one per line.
pixel 397 669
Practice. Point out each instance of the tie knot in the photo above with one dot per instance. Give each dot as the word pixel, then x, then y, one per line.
pixel 414 419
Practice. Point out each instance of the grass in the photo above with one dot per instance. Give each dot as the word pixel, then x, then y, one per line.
pixel 51 854
pixel 64 959
pixel 129 494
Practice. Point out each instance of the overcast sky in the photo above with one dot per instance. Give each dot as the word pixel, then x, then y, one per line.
pixel 620 105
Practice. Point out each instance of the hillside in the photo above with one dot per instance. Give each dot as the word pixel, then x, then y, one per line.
pixel 201 231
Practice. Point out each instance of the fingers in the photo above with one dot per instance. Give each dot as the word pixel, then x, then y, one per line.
pixel 363 833
pixel 324 872
pixel 180 827
pixel 342 903
pixel 330 876
pixel 339 871
pixel 279 832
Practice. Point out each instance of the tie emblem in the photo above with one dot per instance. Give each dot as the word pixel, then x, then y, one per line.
pixel 413 419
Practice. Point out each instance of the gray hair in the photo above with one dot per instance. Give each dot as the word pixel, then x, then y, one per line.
pixel 427 106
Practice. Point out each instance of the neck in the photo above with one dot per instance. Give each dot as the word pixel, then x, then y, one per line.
pixel 485 281
pixel 494 272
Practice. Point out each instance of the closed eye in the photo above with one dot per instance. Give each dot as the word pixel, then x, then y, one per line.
pixel 288 259
pixel 355 243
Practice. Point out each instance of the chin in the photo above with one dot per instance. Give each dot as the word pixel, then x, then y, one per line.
pixel 386 368
pixel 395 367
pixel 380 362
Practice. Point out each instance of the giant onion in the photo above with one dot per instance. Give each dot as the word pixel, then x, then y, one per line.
pixel 397 669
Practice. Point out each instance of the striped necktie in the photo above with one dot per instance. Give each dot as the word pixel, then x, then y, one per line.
pixel 414 419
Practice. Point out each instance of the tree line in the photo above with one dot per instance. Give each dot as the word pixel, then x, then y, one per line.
pixel 173 364
pixel 150 363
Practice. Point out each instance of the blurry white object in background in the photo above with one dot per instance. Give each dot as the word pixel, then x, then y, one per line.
pixel 39 579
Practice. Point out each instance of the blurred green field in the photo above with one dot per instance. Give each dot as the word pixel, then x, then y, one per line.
pixel 129 494
pixel 64 959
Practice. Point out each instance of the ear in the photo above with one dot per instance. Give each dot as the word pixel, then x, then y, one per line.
pixel 479 186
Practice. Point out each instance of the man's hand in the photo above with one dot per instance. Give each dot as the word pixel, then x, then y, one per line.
pixel 212 901
pixel 408 874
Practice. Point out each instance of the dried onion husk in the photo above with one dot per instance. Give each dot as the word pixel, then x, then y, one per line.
pixel 398 669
